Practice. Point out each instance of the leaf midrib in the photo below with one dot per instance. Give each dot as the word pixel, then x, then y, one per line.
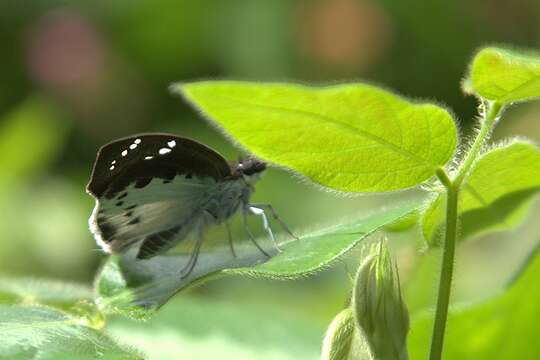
pixel 509 93
pixel 328 119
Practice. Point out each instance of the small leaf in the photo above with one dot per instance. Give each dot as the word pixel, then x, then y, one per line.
pixel 136 288
pixel 43 291
pixel 38 332
pixel 354 137
pixel 501 328
pixel 496 193
pixel 504 75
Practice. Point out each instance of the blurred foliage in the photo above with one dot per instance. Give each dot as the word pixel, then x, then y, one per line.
pixel 76 74
pixel 35 129
pixel 497 321
pixel 54 335
pixel 208 329
pixel 60 294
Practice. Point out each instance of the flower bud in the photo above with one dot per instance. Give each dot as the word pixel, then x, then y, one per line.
pixel 339 336
pixel 378 306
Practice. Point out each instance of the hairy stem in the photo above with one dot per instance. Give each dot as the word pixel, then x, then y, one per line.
pixel 488 122
pixel 452 194
pixel 447 267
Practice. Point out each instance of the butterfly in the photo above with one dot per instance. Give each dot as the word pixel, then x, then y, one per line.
pixel 153 190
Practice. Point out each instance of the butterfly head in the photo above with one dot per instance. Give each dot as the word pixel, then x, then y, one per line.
pixel 248 167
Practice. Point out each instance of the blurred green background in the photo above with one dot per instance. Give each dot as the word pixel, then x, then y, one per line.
pixel 77 74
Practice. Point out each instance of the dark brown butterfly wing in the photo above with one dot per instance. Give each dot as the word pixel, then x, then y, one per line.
pixel 150 188
pixel 140 158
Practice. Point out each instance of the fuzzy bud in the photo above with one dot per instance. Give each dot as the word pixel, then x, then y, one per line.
pixel 378 306
pixel 339 336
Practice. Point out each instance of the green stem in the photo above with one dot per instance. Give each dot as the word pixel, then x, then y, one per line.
pixel 486 128
pixel 447 267
pixel 452 195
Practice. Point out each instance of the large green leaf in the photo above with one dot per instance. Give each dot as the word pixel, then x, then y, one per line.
pixel 496 193
pixel 353 137
pixel 38 332
pixel 199 328
pixel 136 287
pixel 504 328
pixel 505 75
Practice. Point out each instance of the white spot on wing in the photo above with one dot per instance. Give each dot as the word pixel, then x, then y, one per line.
pixel 164 151
pixel 113 162
pixel 137 141
pixel 171 144
pixel 124 153
pixel 148 157
pixel 132 146
pixel 111 168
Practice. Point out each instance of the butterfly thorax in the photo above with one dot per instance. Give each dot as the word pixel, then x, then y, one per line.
pixel 226 199
pixel 229 196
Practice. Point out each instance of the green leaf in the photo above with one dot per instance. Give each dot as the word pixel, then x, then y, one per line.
pixel 196 328
pixel 136 288
pixel 43 291
pixel 38 332
pixel 504 75
pixel 496 194
pixel 502 328
pixel 354 137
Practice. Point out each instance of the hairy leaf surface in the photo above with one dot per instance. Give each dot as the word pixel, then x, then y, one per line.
pixel 505 75
pixel 353 137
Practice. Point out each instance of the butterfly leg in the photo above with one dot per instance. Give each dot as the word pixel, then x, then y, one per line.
pixel 231 244
pixel 260 212
pixel 250 234
pixel 277 218
pixel 193 258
